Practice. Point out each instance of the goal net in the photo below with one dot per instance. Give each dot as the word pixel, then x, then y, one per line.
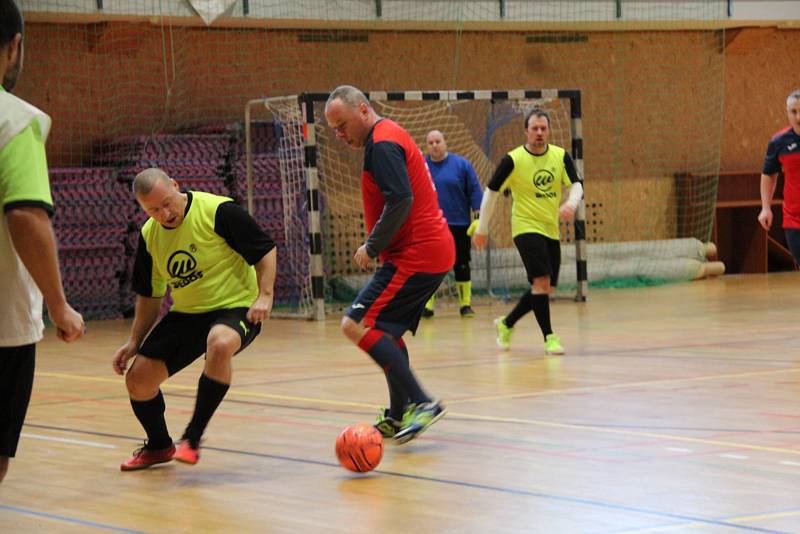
pixel 482 126
pixel 146 83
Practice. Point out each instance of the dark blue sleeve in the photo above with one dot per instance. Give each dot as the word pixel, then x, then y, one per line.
pixel 474 192
pixel 771 162
pixel 391 176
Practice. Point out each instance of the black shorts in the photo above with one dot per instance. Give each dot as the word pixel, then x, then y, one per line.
pixel 463 244
pixel 540 255
pixel 393 299
pixel 16 383
pixel 180 338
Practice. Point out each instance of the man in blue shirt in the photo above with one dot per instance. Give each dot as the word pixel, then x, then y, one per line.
pixel 459 194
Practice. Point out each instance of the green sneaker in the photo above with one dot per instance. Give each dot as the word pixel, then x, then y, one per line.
pixel 552 345
pixel 503 333
pixel 418 418
pixel 427 311
pixel 387 425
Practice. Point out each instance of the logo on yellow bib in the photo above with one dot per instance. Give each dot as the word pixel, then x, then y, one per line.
pixel 183 266
pixel 543 180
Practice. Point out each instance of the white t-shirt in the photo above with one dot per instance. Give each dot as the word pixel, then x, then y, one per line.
pixel 24 182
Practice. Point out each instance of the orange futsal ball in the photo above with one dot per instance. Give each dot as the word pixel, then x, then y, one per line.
pixel 359 447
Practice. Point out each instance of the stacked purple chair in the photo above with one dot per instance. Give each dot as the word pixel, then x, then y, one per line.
pixel 92 211
pixel 269 198
pixel 266 165
pixel 199 162
pixel 214 161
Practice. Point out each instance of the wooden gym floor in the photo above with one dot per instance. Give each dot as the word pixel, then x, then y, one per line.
pixel 676 409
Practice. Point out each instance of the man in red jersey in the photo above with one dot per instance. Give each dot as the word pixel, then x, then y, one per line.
pixel 783 153
pixel 410 236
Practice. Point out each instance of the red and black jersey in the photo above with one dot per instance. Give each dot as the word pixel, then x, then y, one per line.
pixel 783 153
pixel 401 208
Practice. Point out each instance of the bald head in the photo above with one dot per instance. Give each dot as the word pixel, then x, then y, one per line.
pixel 793 110
pixel 437 146
pixel 349 96
pixel 160 198
pixel 147 179
pixel 350 115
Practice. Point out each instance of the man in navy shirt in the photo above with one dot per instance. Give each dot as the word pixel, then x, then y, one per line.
pixel 783 154
pixel 459 194
pixel 407 232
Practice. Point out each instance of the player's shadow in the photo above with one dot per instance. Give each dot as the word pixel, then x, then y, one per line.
pixel 188 477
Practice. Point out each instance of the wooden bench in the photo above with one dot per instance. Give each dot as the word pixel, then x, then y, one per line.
pixel 743 246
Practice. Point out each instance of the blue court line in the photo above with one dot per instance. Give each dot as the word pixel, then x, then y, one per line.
pixel 638 352
pixel 375 371
pixel 266 404
pixel 589 502
pixel 459 483
pixel 86 432
pixel 520 360
pixel 66 519
pixel 516 491
pixel 464 417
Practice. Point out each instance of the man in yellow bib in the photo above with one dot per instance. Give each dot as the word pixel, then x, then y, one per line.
pixel 535 173
pixel 220 267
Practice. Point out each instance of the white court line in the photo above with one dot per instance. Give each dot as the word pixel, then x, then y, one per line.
pixel 677 449
pixel 787 462
pixel 734 456
pixel 70 441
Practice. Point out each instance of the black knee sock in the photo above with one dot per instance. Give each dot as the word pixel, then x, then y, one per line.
pixel 402 346
pixel 150 414
pixel 523 306
pixel 462 272
pixel 394 363
pixel 398 399
pixel 541 309
pixel 209 394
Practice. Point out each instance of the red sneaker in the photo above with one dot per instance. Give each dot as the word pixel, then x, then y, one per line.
pixel 144 457
pixel 185 453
